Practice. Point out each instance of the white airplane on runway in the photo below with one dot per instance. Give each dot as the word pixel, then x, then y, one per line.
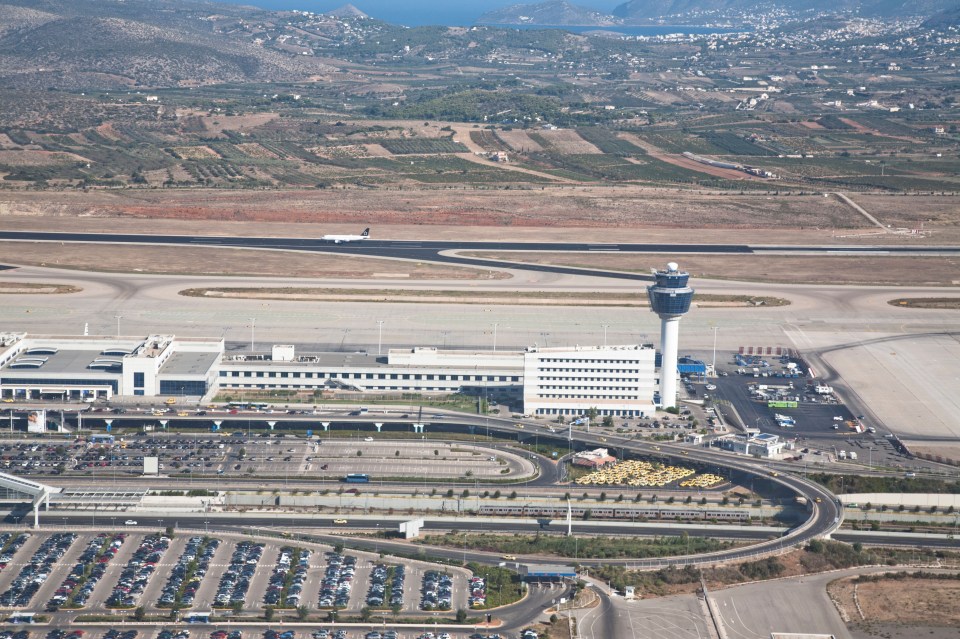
pixel 337 239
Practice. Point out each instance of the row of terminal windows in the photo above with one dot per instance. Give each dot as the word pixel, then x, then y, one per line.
pixel 585 396
pixel 588 361
pixel 591 388
pixel 605 371
pixel 578 411
pixel 600 380
pixel 317 388
pixel 414 376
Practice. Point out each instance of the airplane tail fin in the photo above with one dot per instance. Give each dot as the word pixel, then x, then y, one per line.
pixel 366 232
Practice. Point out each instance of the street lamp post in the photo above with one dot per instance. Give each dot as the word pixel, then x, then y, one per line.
pixel 495 325
pixel 379 336
pixel 118 317
pixel 714 365
pixel 253 328
pixel 605 327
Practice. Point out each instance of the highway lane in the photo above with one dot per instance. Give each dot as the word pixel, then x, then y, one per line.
pixel 310 524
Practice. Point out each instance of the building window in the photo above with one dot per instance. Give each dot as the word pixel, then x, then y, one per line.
pixel 138 380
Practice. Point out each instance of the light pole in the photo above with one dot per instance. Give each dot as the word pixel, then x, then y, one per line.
pixel 253 328
pixel 118 318
pixel 495 325
pixel 605 327
pixel 379 335
pixel 714 365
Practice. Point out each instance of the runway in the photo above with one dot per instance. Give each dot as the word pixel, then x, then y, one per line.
pixel 446 251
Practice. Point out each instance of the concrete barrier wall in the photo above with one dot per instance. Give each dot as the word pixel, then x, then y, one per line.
pixel 924 500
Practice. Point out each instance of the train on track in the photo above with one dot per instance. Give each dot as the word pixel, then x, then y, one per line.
pixel 615 512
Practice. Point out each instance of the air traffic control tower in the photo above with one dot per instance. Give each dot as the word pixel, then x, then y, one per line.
pixel 670 298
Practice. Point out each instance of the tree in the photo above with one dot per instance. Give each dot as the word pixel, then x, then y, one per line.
pixel 139 614
pixel 365 613
pixel 268 613
pixel 608 421
pixel 592 413
pixel 496 494
pixel 236 607
pixel 513 494
pixel 242 453
pixel 461 615
pixel 450 493
pixel 302 613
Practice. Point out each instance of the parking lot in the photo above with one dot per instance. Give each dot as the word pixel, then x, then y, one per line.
pixel 268 454
pixel 813 416
pixel 100 571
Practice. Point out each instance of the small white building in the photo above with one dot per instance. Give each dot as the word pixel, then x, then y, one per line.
pixel 764 445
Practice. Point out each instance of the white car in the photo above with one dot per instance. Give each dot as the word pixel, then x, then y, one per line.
pixel 130 522
pixel 837 418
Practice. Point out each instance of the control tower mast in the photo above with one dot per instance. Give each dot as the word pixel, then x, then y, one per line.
pixel 670 298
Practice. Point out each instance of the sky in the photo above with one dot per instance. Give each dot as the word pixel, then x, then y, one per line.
pixel 415 12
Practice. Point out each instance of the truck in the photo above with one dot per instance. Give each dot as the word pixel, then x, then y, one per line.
pixel 842 454
pixel 852 455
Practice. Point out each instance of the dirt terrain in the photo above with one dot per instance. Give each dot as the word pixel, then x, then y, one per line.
pixel 908 607
pixel 552 207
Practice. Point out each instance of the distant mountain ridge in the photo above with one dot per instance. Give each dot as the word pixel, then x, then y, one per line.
pixel 85 44
pixel 346 11
pixel 552 12
pixel 947 18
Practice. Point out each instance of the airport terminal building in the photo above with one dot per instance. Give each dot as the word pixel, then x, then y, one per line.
pixel 616 380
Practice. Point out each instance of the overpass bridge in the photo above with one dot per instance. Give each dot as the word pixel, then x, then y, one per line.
pixel 18 488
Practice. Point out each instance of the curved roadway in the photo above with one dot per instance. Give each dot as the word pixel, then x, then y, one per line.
pixel 826 510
